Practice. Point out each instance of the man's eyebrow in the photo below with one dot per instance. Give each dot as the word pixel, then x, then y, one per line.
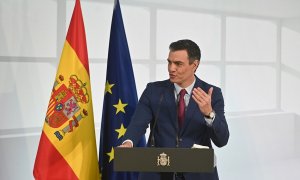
pixel 174 61
pixel 178 62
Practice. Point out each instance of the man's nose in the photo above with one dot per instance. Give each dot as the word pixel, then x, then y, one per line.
pixel 172 67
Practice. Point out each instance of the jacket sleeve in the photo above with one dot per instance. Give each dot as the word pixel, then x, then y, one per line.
pixel 141 118
pixel 219 132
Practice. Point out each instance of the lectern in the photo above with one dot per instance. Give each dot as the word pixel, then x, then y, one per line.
pixel 164 160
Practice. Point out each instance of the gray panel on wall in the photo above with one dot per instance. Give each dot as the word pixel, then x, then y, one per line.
pixel 204 29
pixel 25 93
pixel 17 155
pixel 28 28
pixel 250 88
pixel 250 40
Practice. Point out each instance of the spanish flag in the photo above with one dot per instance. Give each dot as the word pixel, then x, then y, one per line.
pixel 67 148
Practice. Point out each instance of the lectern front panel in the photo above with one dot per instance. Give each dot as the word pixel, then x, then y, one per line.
pixel 164 160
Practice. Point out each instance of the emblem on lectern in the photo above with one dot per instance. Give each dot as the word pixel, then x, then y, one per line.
pixel 163 160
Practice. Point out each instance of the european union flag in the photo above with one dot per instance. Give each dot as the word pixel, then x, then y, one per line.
pixel 120 98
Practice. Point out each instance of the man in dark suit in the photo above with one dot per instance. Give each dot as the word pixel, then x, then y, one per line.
pixel 201 121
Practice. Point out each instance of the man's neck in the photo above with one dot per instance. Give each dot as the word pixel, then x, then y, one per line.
pixel 188 88
pixel 183 86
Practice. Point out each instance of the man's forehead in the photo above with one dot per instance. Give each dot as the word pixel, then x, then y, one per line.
pixel 177 58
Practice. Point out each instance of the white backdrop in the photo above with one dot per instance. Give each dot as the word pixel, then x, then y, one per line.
pixel 249 48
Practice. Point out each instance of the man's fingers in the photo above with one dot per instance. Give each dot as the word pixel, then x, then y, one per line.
pixel 126 145
pixel 200 101
pixel 210 91
pixel 193 96
pixel 203 99
pixel 199 92
pixel 198 96
pixel 201 95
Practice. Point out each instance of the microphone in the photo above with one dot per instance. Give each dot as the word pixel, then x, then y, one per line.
pixel 152 140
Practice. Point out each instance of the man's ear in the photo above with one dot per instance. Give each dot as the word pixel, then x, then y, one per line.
pixel 196 63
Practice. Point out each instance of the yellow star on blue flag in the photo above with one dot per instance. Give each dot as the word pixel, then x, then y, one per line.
pixel 121 131
pixel 111 154
pixel 120 106
pixel 108 87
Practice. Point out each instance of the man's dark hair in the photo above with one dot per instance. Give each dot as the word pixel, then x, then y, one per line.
pixel 191 47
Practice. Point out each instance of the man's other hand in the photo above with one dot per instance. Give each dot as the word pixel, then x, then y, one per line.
pixel 126 144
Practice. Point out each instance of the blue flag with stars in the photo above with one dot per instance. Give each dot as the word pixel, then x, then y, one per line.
pixel 120 99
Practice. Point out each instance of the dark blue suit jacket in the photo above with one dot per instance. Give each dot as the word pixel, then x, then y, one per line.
pixel 160 96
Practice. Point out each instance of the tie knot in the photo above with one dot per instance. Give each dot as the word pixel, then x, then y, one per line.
pixel 182 92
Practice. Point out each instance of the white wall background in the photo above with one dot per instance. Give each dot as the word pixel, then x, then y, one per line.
pixel 251 49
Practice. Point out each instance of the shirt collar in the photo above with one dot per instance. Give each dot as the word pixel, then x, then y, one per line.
pixel 188 89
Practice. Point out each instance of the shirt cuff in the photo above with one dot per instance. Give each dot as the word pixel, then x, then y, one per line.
pixel 209 121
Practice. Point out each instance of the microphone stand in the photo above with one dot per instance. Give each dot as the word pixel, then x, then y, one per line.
pixel 152 139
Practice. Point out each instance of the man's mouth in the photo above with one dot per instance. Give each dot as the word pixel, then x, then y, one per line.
pixel 172 75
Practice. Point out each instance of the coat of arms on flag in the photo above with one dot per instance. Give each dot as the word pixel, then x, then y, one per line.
pixel 65 103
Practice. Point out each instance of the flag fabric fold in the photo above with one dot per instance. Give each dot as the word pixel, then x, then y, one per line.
pixel 67 148
pixel 120 99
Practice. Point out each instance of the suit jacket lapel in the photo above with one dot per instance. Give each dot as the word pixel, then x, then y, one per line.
pixel 171 102
pixel 192 106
